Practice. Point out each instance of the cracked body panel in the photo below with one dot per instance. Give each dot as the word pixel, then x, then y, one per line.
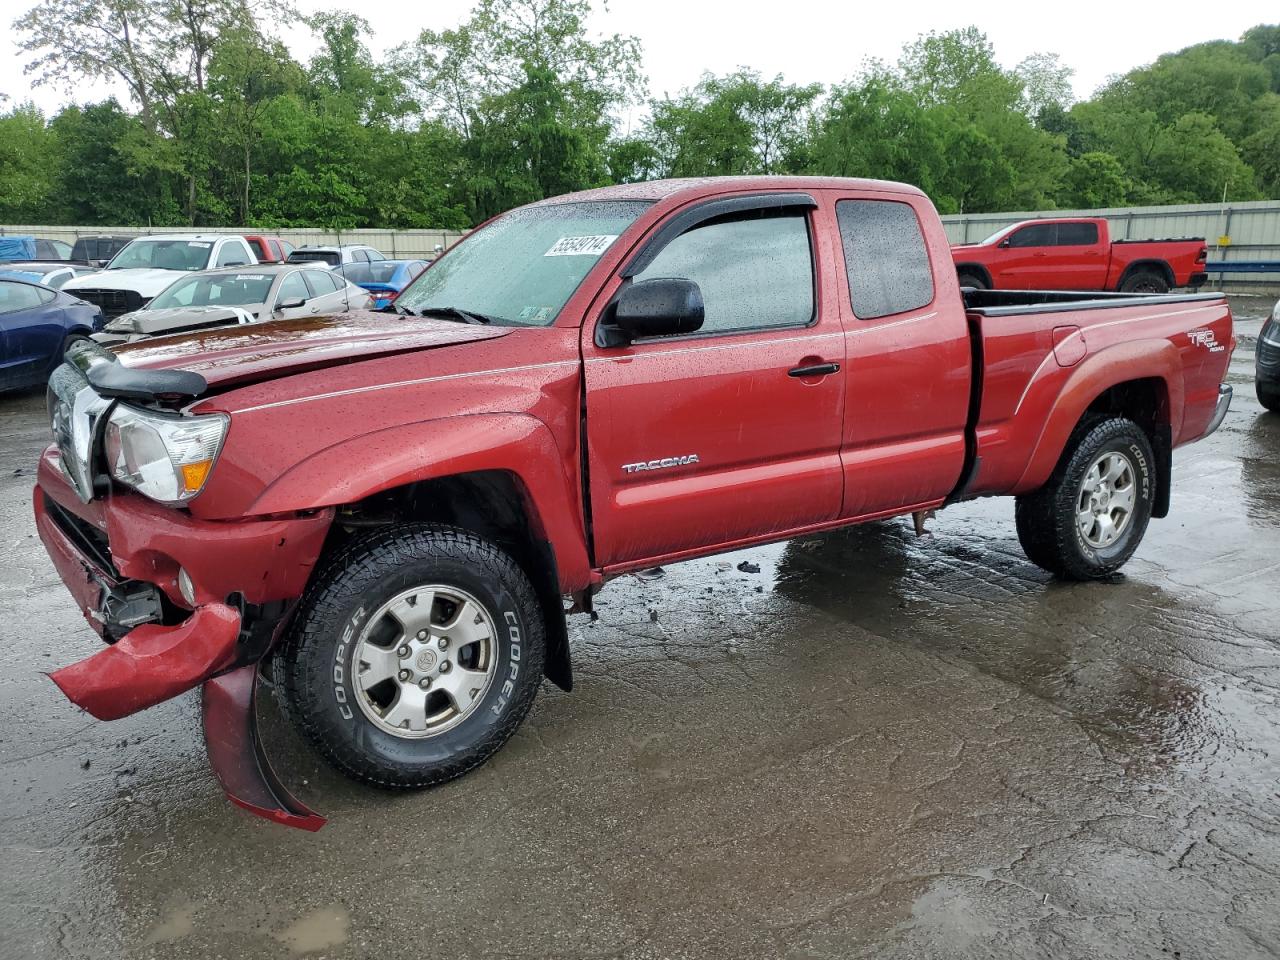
pixel 879 745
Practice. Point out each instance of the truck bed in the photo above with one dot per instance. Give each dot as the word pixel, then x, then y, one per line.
pixel 1036 350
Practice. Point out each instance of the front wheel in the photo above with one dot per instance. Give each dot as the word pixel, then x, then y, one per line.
pixel 1090 516
pixel 415 655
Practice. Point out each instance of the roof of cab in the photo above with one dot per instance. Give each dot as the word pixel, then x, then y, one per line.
pixel 709 186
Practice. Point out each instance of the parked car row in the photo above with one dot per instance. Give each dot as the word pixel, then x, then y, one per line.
pixel 173 283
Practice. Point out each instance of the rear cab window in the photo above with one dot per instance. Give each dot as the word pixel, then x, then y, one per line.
pixel 1077 234
pixel 331 257
pixel 885 256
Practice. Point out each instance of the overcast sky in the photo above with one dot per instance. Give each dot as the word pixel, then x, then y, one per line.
pixel 805 40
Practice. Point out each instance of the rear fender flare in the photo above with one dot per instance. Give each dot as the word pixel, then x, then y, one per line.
pixel 1096 374
pixel 518 444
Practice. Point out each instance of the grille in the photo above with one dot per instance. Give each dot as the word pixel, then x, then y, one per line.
pixel 112 303
pixel 91 541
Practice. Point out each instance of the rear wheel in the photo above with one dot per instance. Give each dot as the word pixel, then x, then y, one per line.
pixel 1268 395
pixel 1145 281
pixel 972 280
pixel 1090 516
pixel 415 656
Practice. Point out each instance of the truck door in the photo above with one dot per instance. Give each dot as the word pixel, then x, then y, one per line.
pixel 731 432
pixel 1023 258
pixel 1080 258
pixel 907 356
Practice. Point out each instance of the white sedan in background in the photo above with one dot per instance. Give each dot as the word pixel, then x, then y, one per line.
pixel 218 298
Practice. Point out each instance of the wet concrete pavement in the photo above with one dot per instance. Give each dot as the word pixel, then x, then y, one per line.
pixel 878 746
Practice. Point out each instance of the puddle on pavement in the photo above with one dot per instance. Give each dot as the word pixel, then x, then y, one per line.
pixel 319 930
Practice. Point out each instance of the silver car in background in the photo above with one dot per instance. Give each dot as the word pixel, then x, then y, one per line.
pixel 244 294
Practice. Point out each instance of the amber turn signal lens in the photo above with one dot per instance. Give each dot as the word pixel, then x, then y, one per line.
pixel 195 474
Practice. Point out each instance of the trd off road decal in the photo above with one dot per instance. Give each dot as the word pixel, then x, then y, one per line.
pixel 1204 337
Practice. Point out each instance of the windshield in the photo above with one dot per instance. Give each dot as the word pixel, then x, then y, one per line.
pixel 522 268
pixel 163 255
pixel 215 290
pixel 996 236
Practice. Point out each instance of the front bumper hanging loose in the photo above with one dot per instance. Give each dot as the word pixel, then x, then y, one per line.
pixel 151 664
pixel 110 552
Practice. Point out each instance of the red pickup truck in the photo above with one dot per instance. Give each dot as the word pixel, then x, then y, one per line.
pixel 396 504
pixel 1077 253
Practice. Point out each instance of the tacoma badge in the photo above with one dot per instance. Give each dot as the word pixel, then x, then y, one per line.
pixel 662 464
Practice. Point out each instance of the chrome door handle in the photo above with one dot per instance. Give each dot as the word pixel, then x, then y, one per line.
pixel 814 370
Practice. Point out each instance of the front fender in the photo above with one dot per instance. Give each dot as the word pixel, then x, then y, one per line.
pixel 1068 400
pixel 518 444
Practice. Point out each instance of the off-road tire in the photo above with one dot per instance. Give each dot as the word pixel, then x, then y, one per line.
pixel 1046 519
pixel 1268 395
pixel 972 280
pixel 1145 281
pixel 315 662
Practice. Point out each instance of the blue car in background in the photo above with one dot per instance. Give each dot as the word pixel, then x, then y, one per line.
pixel 37 324
pixel 383 278
pixel 47 273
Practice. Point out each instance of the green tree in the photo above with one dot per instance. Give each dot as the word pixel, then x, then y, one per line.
pixel 1095 180
pixel 29 161
pixel 1046 86
pixel 873 127
pixel 737 124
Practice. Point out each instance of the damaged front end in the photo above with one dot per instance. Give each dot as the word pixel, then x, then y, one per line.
pixel 180 601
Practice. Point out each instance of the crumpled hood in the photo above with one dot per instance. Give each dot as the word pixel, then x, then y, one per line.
pixel 179 318
pixel 146 282
pixel 257 351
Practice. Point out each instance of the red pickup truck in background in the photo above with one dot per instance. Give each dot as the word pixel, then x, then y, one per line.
pixel 586 386
pixel 1077 253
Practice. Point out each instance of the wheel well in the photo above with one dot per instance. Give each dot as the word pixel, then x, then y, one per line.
pixel 491 503
pixel 1155 266
pixel 1146 403
pixel 977 270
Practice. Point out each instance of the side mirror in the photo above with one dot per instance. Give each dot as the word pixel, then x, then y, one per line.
pixel 655 308
pixel 1005 244
pixel 291 304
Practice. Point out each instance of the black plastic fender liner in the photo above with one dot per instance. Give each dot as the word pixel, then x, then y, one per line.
pixel 235 751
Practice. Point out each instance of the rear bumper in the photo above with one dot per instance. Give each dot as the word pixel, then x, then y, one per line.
pixel 120 558
pixel 1219 410
pixel 1198 280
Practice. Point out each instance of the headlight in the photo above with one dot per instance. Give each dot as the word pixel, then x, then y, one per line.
pixel 167 458
pixel 127 323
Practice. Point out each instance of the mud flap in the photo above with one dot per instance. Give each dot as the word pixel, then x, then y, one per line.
pixel 235 752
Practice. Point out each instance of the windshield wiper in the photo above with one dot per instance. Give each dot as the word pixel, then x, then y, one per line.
pixel 466 316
